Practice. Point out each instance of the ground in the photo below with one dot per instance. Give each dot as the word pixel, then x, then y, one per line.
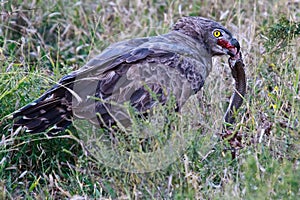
pixel 40 41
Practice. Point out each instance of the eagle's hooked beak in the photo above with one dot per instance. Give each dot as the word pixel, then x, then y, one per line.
pixel 230 47
pixel 234 47
pixel 236 44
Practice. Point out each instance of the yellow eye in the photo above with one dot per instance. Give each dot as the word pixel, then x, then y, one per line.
pixel 217 33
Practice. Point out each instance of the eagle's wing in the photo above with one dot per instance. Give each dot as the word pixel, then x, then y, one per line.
pixel 141 72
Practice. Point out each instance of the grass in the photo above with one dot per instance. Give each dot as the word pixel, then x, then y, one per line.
pixel 41 41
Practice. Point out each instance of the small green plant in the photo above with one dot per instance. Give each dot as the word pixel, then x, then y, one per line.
pixel 280 33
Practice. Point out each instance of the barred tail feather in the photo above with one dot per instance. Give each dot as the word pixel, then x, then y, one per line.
pixel 53 109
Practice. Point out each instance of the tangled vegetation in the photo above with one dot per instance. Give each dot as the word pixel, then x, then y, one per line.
pixel 40 41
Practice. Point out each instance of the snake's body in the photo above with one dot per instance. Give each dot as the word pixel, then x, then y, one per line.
pixel 238 73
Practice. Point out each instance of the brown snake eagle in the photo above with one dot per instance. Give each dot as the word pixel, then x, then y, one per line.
pixel 176 63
